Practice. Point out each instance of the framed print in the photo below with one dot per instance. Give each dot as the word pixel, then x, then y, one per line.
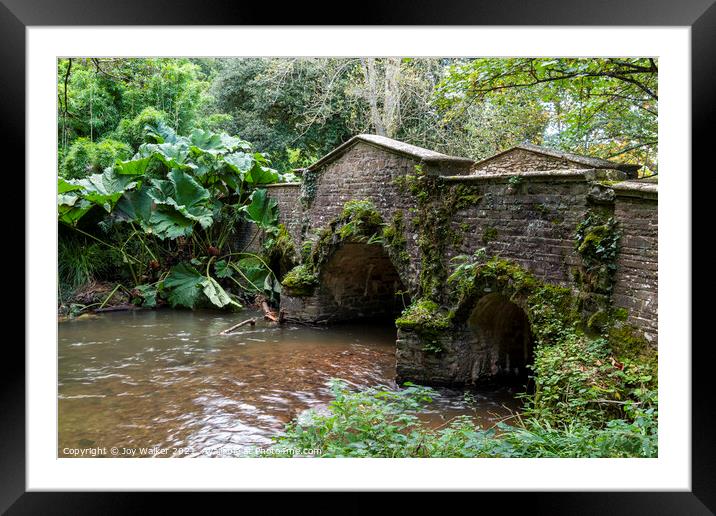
pixel 420 252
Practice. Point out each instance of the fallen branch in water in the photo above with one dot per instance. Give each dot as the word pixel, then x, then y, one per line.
pixel 269 314
pixel 252 322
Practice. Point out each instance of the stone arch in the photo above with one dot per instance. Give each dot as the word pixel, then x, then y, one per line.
pixel 353 271
pixel 358 280
pixel 499 334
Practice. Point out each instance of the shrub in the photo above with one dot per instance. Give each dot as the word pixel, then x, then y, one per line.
pixel 383 422
pixel 85 157
pixel 132 131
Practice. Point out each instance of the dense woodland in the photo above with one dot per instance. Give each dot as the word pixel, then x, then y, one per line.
pixel 161 163
pixel 296 110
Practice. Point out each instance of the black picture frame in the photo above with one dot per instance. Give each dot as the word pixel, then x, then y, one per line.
pixel 700 15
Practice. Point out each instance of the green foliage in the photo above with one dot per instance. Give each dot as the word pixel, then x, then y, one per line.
pixel 179 199
pixel 183 284
pixel 358 221
pixel 280 252
pixel 382 422
pixel 577 378
pixel 145 295
pixel 262 210
pixel 133 131
pixel 489 234
pixel 596 241
pixel 118 97
pixel 580 379
pixel 607 107
pixel 85 157
pixel 80 262
pixel 295 109
pixel 515 181
pixel 300 281
pixel 428 320
pixel 395 241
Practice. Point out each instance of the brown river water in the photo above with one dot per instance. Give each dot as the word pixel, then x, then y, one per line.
pixel 164 383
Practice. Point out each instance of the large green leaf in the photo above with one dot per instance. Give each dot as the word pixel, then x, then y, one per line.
pixel 206 141
pixel 184 284
pixel 261 175
pixel 162 133
pixel 216 294
pixel 106 188
pixel 64 186
pixel 240 162
pixel 168 223
pixel 71 209
pixel 135 206
pixel 232 143
pixel 133 167
pixel 172 155
pixel 185 195
pixel 148 295
pixel 262 210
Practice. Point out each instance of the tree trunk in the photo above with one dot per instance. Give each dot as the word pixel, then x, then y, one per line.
pixel 391 104
pixel 368 65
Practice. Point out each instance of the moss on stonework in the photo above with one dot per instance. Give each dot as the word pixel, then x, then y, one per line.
pixel 309 186
pixel 463 196
pixel 437 202
pixel 280 252
pixel 428 320
pixel 551 309
pixel 627 341
pixel 395 241
pixel 489 234
pixel 596 241
pixel 359 221
pixel 300 281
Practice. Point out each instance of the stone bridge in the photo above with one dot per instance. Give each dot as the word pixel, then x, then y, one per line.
pixel 378 224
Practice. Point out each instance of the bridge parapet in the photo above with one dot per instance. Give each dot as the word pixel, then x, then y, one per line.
pixel 436 208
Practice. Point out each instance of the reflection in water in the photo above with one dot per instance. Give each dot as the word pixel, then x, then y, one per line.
pixel 165 380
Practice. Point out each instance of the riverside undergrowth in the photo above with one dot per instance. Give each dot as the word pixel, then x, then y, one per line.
pixel 170 217
pixel 384 422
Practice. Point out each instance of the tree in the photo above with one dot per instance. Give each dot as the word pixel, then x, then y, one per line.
pixel 98 97
pixel 602 107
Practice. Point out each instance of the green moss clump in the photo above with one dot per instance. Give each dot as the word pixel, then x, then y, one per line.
pixel 489 234
pixel 300 281
pixel 280 252
pixel 309 186
pixel 358 221
pixel 395 241
pixel 463 196
pixel 596 240
pixel 551 309
pixel 428 320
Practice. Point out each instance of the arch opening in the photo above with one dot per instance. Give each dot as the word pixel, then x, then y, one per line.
pixel 502 339
pixel 359 281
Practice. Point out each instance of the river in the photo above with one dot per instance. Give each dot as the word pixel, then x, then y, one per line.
pixel 164 383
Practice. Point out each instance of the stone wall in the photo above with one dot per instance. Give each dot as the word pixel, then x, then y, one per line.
pixel 287 196
pixel 531 224
pixel 636 286
pixel 519 160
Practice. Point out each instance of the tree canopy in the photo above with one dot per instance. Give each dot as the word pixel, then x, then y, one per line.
pixel 297 109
